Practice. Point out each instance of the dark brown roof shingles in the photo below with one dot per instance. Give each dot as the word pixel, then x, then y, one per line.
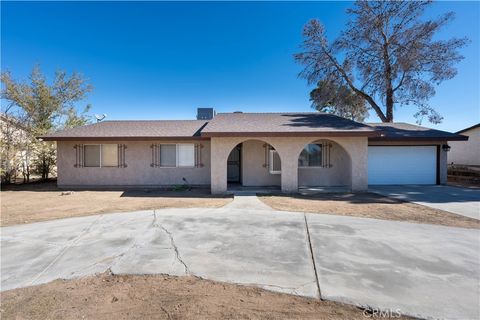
pixel 400 131
pixel 135 129
pixel 251 124
pixel 225 124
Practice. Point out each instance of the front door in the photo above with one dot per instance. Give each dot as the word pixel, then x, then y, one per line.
pixel 234 165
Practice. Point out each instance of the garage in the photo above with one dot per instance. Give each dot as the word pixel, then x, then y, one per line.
pixel 402 165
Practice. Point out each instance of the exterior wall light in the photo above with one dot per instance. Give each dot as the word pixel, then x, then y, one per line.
pixel 446 147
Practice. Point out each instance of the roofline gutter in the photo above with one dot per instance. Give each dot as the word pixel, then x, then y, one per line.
pixel 412 139
pixel 145 138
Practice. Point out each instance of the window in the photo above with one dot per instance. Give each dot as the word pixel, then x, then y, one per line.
pixel 168 155
pixel 174 155
pixel 274 163
pixel 186 155
pixel 109 155
pixel 311 156
pixel 91 155
pixel 100 155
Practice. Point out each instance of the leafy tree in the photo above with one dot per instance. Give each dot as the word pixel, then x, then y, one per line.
pixel 44 108
pixel 387 55
pixel 339 100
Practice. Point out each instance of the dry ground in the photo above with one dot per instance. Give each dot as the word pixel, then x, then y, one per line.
pixel 368 205
pixel 162 297
pixel 43 201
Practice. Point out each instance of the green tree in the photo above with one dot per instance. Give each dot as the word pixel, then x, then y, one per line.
pixel 44 108
pixel 386 55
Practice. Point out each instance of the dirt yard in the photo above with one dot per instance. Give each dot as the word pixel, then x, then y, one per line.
pixel 162 297
pixel 44 201
pixel 368 205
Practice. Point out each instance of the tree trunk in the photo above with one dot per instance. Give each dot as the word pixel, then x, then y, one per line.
pixel 389 103
pixel 388 83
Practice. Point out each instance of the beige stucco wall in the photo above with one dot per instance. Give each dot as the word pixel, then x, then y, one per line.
pixel 289 149
pixel 466 152
pixel 138 157
pixel 443 153
pixel 254 173
pixel 339 174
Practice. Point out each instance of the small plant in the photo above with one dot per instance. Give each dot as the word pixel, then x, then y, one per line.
pixel 182 187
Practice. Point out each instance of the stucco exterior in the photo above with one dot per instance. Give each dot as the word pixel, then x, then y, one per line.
pixel 138 158
pixel 442 156
pixel 466 152
pixel 289 149
pixel 349 156
pixel 339 174
pixel 254 173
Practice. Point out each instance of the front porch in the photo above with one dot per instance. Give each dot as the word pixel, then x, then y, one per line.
pixel 288 163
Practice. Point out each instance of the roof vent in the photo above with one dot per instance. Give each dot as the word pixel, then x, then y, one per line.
pixel 205 113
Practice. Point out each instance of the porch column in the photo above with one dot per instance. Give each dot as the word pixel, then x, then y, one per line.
pixel 358 151
pixel 218 169
pixel 289 172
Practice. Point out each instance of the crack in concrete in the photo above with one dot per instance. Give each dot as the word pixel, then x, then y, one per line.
pixel 172 242
pixel 313 257
pixel 71 243
pixel 135 244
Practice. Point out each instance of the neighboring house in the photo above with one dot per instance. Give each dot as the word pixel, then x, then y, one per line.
pixel 13 153
pixel 466 153
pixel 252 149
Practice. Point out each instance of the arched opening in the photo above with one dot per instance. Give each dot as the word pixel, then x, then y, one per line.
pixel 326 165
pixel 253 163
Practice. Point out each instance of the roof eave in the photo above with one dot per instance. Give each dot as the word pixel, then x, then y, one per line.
pixel 137 138
pixel 412 139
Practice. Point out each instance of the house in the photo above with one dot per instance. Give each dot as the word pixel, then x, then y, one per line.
pixel 14 149
pixel 288 150
pixel 466 153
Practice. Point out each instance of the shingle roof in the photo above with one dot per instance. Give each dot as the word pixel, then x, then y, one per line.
pixel 251 124
pixel 409 132
pixel 284 124
pixel 135 129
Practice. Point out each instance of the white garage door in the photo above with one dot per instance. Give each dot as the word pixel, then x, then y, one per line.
pixel 402 165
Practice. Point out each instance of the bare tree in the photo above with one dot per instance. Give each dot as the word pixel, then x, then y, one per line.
pixel 386 55
pixel 338 100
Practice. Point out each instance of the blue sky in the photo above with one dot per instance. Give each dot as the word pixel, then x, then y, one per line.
pixel 162 60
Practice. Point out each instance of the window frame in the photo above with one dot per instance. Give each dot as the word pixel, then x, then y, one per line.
pixel 270 162
pixel 100 156
pixel 177 155
pixel 160 154
pixel 321 157
pixel 193 150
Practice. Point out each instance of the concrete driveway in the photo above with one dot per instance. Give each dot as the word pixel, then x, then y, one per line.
pixel 462 201
pixel 421 270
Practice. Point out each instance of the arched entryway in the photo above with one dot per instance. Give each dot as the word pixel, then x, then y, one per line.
pixel 324 164
pixel 253 163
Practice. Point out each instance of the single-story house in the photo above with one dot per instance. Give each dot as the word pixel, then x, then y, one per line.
pixel 288 150
pixel 466 153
